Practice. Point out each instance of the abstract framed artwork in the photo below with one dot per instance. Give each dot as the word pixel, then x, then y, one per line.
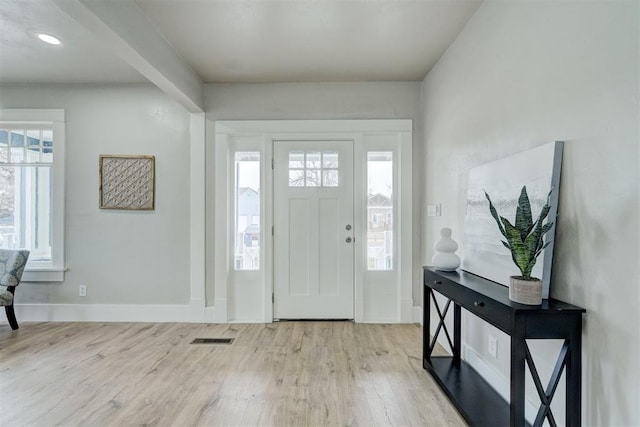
pixel 483 253
pixel 127 182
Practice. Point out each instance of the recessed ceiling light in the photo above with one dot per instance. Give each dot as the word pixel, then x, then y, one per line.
pixel 47 38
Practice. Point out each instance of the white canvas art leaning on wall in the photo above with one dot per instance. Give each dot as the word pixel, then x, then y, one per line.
pixel 483 253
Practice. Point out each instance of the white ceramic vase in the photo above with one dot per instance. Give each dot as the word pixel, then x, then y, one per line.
pixel 445 258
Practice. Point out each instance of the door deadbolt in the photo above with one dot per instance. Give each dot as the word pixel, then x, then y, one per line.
pixel 348 227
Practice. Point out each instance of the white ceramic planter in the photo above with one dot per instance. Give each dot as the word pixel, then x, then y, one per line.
pixel 525 291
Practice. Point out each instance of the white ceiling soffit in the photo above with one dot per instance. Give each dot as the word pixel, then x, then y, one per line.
pixel 124 28
pixel 80 59
pixel 257 41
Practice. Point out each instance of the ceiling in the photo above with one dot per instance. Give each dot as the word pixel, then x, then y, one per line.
pixel 291 41
pixel 80 59
pixel 235 41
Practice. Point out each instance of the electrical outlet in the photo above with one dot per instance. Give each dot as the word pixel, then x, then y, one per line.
pixel 492 346
pixel 82 290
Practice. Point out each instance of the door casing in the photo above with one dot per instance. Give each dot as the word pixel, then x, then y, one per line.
pixel 383 298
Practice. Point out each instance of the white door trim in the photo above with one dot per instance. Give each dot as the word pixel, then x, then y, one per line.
pixel 359 131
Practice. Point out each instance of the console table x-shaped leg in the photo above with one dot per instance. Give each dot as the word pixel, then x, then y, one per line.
pixel 530 324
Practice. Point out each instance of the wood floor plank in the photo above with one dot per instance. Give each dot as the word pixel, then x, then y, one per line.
pixel 280 374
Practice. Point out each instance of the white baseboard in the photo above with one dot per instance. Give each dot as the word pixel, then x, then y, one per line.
pixel 161 313
pixel 499 382
pixel 221 311
pixel 406 310
pixel 102 313
pixel 196 310
pixel 209 315
pixel 410 314
pixel 380 321
pixel 417 314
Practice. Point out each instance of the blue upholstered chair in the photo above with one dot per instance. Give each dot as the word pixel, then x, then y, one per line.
pixel 12 265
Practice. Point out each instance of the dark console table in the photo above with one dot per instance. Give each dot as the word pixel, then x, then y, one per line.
pixel 476 400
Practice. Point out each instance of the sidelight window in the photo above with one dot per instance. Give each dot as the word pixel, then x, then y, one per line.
pixel 380 206
pixel 247 210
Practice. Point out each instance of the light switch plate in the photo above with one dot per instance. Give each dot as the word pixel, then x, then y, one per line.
pixel 492 346
pixel 434 210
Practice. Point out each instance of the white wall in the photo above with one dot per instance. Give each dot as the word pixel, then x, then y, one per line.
pixel 526 73
pixel 124 257
pixel 143 257
pixel 293 101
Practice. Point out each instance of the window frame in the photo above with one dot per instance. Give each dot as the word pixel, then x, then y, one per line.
pixel 306 169
pixel 47 271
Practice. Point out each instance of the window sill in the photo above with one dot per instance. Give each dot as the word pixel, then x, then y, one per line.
pixel 43 274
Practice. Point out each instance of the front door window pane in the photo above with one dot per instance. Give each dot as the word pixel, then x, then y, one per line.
pixel 330 178
pixel 313 178
pixel 313 169
pixel 296 178
pixel 313 159
pixel 296 160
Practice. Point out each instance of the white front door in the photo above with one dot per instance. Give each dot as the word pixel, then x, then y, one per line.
pixel 314 233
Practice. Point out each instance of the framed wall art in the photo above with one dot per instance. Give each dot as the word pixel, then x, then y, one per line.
pixel 483 253
pixel 127 182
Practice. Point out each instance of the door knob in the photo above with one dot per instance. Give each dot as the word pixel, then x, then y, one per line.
pixel 348 240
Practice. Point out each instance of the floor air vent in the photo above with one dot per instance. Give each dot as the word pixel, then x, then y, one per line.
pixel 212 341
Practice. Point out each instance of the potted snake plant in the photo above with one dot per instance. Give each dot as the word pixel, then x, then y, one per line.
pixel 525 240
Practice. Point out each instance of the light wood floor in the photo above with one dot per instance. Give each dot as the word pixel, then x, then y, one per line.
pixel 280 374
